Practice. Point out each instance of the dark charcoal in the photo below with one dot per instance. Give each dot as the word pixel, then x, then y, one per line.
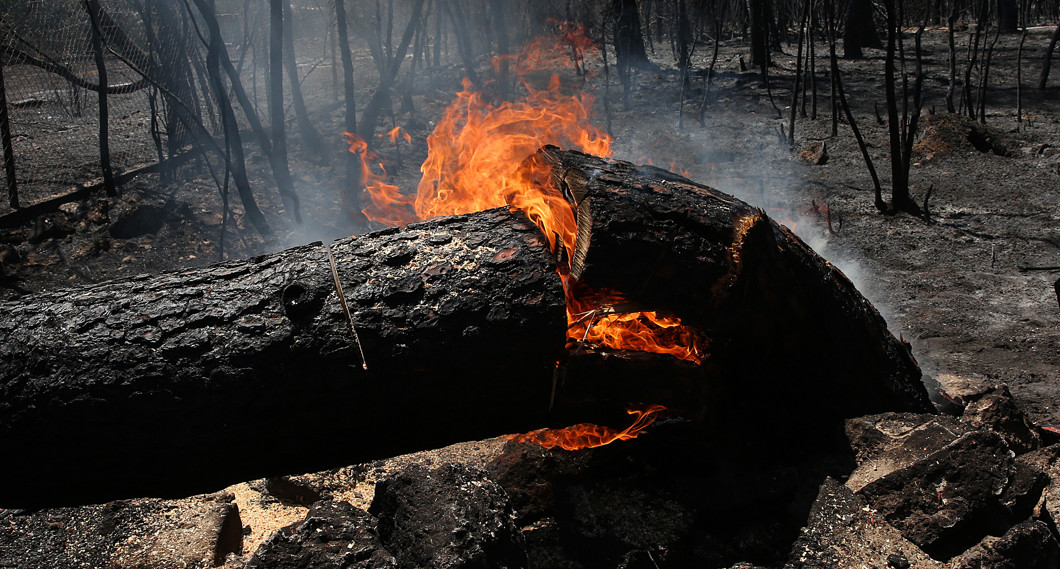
pixel 1029 545
pixel 950 499
pixel 332 535
pixel 451 517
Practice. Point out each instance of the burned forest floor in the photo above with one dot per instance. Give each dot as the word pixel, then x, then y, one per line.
pixel 969 284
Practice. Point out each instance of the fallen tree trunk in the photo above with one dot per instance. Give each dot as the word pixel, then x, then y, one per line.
pixel 184 382
pixel 188 381
pixel 792 340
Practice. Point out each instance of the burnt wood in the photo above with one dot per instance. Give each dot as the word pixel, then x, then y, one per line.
pixel 792 341
pixel 186 382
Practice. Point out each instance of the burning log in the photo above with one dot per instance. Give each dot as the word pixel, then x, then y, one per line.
pixel 788 331
pixel 448 330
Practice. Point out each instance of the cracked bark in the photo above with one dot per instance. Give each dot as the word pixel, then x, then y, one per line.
pixel 185 382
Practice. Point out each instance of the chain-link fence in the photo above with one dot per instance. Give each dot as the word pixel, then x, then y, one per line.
pixel 155 62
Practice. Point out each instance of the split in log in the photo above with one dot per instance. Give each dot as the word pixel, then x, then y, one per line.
pixel 184 382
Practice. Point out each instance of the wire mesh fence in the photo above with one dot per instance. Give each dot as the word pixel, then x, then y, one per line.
pixel 155 57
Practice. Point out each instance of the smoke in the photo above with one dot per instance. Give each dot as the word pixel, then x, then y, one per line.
pixel 746 156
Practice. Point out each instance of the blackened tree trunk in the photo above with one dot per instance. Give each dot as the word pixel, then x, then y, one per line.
pixel 448 330
pixel 628 38
pixel 761 24
pixel 740 259
pixel 1008 16
pixel 5 139
pixel 281 169
pixel 352 189
pixel 189 381
pixel 860 30
pixel 93 9
pixel 235 157
pixel 381 96
pixel 1047 59
pixel 310 135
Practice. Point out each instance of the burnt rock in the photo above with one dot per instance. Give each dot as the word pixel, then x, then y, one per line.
pixel 293 490
pixel 1048 507
pixel 996 410
pixel 333 535
pixel 449 517
pixel 950 499
pixel 1030 479
pixel 192 532
pixel 842 532
pixel 527 471
pixel 1029 545
pixel 888 442
pixel 614 523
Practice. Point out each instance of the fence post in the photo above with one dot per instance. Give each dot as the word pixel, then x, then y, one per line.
pixel 104 116
pixel 9 151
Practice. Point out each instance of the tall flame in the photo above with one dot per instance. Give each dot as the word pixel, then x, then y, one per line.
pixel 477 159
pixel 586 435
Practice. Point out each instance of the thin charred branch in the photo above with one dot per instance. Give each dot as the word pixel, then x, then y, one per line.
pixel 1047 59
pixel 278 156
pixel 5 140
pixel 92 6
pixel 16 55
pixel 310 135
pixel 381 96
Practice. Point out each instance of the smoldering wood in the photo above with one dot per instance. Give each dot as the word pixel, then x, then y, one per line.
pixel 788 331
pixel 186 382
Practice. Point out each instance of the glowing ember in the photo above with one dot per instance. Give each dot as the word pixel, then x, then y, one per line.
pixel 477 159
pixel 590 436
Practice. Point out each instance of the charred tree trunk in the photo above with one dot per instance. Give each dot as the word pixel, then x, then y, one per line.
pixel 860 30
pixel 92 6
pixel 234 142
pixel 351 192
pixel 310 136
pixel 761 16
pixel 190 381
pixel 5 139
pixel 278 156
pixel 1047 59
pixel 446 331
pixel 381 98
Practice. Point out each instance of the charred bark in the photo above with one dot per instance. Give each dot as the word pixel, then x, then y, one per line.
pixel 189 381
pixel 455 331
pixel 788 331
pixel 859 30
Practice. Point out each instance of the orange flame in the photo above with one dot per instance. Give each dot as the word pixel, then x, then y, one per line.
pixel 396 132
pixel 590 436
pixel 598 317
pixel 477 159
pixel 387 199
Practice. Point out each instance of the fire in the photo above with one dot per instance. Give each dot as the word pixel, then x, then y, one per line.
pixel 601 318
pixel 386 198
pixel 477 159
pixel 587 435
